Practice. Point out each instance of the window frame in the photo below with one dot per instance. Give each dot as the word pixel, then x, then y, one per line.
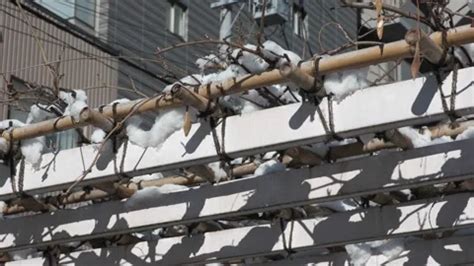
pixel 300 21
pixel 180 27
pixel 86 10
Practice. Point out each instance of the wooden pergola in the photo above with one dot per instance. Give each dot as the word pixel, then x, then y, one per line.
pixel 375 109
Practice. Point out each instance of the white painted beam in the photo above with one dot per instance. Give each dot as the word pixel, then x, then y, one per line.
pixel 453 250
pixel 392 171
pixel 371 110
pixel 444 251
pixel 434 215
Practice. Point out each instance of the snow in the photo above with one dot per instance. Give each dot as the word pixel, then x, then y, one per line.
pixel 149 194
pixel 24 254
pixel 468 133
pixel 140 178
pixel 421 140
pixel 219 172
pixel 273 51
pixel 339 205
pixel 98 135
pixel 10 123
pixel 76 101
pixel 250 61
pixel 345 83
pixel 208 62
pixel 150 235
pixel 32 150
pixel 271 166
pixel 38 113
pixel 360 253
pixel 166 123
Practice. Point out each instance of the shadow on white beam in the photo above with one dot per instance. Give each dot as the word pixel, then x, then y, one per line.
pixel 370 110
pixel 434 215
pixel 393 171
pixel 446 251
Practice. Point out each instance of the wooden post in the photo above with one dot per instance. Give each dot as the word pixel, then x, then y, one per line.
pixel 351 60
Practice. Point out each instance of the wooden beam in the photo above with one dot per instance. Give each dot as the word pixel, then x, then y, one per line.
pixel 394 171
pixel 417 102
pixel 351 60
pixel 414 218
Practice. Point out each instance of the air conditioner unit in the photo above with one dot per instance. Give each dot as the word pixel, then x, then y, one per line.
pixel 276 11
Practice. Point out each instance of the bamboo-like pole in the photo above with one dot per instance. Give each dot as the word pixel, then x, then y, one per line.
pixel 192 99
pixel 109 189
pixel 355 149
pixel 428 48
pixel 294 74
pixel 96 119
pixel 350 60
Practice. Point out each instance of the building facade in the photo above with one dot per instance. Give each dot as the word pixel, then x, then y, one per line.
pixel 107 47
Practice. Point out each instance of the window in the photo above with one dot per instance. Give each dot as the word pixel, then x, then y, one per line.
pixel 78 12
pixel 178 23
pixel 26 96
pixel 300 21
pixel 84 11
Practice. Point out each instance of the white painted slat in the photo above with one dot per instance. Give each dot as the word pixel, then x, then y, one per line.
pixel 446 251
pixel 392 171
pixel 450 212
pixel 374 109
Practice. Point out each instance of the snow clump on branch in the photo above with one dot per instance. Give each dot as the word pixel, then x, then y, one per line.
pixel 32 149
pixel 343 84
pixel 166 123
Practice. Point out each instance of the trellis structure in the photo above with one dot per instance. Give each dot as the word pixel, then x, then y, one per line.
pixel 406 103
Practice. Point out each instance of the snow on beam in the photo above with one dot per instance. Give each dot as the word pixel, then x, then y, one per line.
pixel 371 110
pixel 415 218
pixel 393 171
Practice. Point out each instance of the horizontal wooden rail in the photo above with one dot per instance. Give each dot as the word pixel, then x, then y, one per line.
pixel 351 60
pixel 435 164
pixel 404 103
pixel 414 218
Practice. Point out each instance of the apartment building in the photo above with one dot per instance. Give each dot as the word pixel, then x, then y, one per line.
pixel 107 47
